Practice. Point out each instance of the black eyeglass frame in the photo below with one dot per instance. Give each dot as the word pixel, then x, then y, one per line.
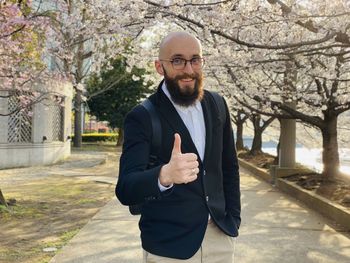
pixel 185 60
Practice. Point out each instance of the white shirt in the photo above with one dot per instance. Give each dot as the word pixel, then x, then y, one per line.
pixel 193 118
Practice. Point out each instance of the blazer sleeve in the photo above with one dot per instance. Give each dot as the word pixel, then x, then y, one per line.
pixel 230 171
pixel 136 183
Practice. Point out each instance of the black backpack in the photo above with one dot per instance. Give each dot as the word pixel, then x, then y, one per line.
pixel 157 135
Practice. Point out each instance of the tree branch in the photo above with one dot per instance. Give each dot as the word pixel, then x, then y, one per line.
pixel 107 88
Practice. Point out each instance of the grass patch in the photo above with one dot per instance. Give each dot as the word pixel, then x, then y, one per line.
pixel 52 209
pixel 7 255
pixel 68 235
pixel 62 241
pixel 20 211
pixel 86 201
pixel 3 209
pixel 48 213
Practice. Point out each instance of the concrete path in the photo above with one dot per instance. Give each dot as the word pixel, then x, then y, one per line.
pixel 275 229
pixel 79 164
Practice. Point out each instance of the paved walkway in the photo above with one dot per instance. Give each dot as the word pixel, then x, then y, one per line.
pixel 77 165
pixel 275 229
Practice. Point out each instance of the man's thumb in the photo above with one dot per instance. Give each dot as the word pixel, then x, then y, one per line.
pixel 177 144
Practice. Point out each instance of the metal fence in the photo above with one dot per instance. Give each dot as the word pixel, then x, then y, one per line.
pixel 20 123
pixel 57 122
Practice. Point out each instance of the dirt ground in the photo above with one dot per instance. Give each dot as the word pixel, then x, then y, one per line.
pixel 335 189
pixel 51 209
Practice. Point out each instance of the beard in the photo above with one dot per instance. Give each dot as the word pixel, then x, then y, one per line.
pixel 187 95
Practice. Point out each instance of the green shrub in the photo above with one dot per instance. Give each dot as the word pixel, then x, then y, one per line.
pixel 89 131
pixel 99 137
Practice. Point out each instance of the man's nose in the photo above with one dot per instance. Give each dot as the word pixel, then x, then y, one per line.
pixel 188 68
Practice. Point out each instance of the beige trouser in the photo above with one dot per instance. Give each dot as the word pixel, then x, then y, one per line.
pixel 216 248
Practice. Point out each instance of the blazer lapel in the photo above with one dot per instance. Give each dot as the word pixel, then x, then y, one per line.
pixel 208 119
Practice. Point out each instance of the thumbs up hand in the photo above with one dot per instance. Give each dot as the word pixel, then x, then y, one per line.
pixel 182 167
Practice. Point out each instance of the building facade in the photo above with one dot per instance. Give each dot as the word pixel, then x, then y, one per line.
pixel 38 134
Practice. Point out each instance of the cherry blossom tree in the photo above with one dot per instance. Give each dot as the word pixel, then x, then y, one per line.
pixel 21 44
pixel 239 115
pixel 84 35
pixel 289 57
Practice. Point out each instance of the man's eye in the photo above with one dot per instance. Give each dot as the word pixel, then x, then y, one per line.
pixel 195 60
pixel 177 61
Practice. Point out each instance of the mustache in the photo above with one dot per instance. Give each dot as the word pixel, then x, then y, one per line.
pixel 187 76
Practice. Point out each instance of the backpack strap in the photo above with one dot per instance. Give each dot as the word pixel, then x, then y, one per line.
pixel 219 101
pixel 156 131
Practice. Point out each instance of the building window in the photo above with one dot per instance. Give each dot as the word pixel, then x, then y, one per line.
pixel 57 122
pixel 19 122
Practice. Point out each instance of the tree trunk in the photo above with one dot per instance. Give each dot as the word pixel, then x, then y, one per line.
pixel 330 154
pixel 278 148
pixel 257 140
pixel 287 143
pixel 120 137
pixel 77 119
pixel 79 75
pixel 239 139
pixel 2 199
pixel 288 126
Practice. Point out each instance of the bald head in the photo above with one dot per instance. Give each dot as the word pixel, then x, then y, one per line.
pixel 174 42
pixel 183 80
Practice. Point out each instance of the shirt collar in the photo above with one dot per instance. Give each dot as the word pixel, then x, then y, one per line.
pixel 196 105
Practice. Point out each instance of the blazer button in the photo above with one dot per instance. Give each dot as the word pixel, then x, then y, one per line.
pixel 204 172
pixel 207 198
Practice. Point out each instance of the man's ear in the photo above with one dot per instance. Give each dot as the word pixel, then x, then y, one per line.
pixel 159 67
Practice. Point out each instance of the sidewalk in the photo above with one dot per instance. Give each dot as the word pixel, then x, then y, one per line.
pixel 78 165
pixel 275 228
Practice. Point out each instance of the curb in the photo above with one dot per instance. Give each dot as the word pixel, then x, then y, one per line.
pixel 256 170
pixel 329 209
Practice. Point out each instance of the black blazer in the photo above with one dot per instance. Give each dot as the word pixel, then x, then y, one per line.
pixel 173 223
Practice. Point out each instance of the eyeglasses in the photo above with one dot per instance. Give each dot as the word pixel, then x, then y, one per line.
pixel 180 63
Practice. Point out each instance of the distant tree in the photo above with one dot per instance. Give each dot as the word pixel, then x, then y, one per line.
pixel 260 124
pixel 239 118
pixel 114 92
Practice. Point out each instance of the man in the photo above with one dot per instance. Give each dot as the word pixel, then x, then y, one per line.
pixel 192 212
